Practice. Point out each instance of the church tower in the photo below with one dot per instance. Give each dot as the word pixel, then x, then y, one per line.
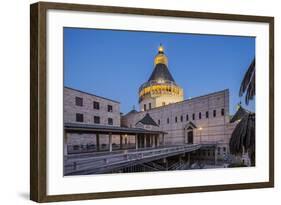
pixel 161 88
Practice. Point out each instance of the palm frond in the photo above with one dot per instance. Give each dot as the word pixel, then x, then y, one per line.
pixel 243 136
pixel 248 82
pixel 241 112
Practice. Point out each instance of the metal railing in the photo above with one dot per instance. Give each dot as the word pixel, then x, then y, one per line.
pixel 76 165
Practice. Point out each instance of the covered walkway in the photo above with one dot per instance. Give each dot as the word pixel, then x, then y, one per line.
pixel 143 138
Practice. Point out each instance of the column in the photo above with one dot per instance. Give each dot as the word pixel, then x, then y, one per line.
pixel 65 143
pixel 121 141
pixel 163 141
pixel 153 141
pixel 110 142
pixel 144 141
pixel 156 140
pixel 137 141
pixel 98 142
pixel 188 159
pixel 215 155
pixel 185 136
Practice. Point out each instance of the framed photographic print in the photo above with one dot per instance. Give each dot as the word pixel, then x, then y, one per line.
pixel 136 102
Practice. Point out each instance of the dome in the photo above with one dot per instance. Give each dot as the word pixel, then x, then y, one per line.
pixel 161 73
pixel 161 88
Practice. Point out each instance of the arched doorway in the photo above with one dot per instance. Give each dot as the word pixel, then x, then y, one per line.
pixel 190 137
pixel 188 133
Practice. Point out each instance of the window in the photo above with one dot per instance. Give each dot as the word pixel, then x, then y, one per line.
pixel 176 119
pixel 149 105
pixel 219 150
pixel 187 118
pixel 110 121
pixel 158 122
pixel 214 113
pixel 193 116
pixel 78 101
pixel 222 112
pixel 181 118
pixel 207 114
pixel 109 108
pixel 168 120
pixel 96 105
pixel 79 117
pixel 144 107
pixel 96 119
pixel 163 103
pixel 199 115
pixel 224 149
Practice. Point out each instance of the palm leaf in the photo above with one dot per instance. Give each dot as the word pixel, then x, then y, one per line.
pixel 248 83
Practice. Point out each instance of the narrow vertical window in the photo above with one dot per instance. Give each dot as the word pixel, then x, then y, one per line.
pixel 176 119
pixel 193 116
pixel 214 113
pixel 110 121
pixel 158 122
pixel 200 115
pixel 187 118
pixel 144 107
pixel 149 106
pixel 207 114
pixel 181 118
pixel 222 112
pixel 168 121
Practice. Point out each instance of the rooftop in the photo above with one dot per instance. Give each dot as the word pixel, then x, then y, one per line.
pixel 91 94
pixel 91 128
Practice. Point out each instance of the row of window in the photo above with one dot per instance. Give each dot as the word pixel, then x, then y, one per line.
pixel 96 105
pixel 80 118
pixel 193 116
pixel 149 106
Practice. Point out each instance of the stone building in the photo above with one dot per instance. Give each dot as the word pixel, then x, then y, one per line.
pixel 200 120
pixel 165 118
pixel 92 123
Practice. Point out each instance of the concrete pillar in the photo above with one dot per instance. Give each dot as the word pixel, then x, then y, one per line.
pixel 144 145
pixel 110 142
pixel 215 155
pixel 137 141
pixel 156 140
pixel 98 142
pixel 65 143
pixel 121 141
pixel 188 159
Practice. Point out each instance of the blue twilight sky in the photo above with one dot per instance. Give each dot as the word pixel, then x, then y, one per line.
pixel 114 64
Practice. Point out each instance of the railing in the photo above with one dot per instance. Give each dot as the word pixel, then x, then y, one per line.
pixel 75 165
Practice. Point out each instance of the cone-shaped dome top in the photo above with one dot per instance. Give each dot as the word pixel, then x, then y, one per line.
pixel 161 71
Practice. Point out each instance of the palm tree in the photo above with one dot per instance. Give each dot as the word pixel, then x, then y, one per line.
pixel 248 84
pixel 243 137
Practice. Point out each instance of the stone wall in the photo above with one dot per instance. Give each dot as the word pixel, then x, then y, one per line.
pixel 87 109
pixel 211 129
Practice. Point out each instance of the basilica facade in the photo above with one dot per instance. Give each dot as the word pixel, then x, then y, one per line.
pixel 199 120
pixel 165 119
